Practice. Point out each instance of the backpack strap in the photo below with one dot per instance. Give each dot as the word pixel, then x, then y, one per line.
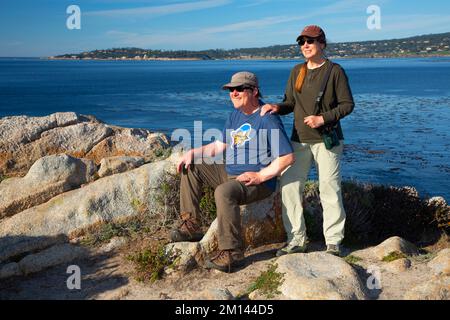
pixel 322 88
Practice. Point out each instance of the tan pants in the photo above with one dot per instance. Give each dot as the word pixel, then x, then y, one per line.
pixel 293 182
pixel 229 194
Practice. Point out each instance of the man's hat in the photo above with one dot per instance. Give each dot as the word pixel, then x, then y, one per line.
pixel 312 31
pixel 242 78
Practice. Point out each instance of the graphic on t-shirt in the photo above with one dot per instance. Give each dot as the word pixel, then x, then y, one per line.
pixel 241 135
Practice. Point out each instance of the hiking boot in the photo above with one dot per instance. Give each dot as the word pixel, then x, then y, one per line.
pixel 292 247
pixel 334 249
pixel 226 260
pixel 187 230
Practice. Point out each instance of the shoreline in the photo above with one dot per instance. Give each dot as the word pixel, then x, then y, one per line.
pixel 238 59
pixel 234 59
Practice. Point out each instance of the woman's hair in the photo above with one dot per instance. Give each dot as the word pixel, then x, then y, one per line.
pixel 322 39
pixel 302 73
pixel 300 78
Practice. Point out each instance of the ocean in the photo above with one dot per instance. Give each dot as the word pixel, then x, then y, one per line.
pixel 397 135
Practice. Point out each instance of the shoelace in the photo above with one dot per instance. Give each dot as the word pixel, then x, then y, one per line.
pixel 223 254
pixel 219 255
pixel 189 226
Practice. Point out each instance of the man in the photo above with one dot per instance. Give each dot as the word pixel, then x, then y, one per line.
pixel 249 173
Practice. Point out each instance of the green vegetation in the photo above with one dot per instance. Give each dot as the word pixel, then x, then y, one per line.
pixel 145 222
pixel 267 283
pixel 162 153
pixel 377 212
pixel 208 206
pixel 423 258
pixel 425 45
pixel 150 263
pixel 168 199
pixel 138 205
pixel 442 217
pixel 102 233
pixel 395 255
pixel 352 259
pixel 2 177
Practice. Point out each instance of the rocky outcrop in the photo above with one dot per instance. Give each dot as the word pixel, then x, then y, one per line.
pixel 436 289
pixel 64 253
pixel 183 253
pixel 260 221
pixel 387 247
pixel 318 276
pixel 47 206
pixel 19 130
pixel 129 142
pixel 109 198
pixel 394 244
pixel 10 270
pixel 113 165
pixel 63 194
pixel 48 177
pixel 214 294
pixel 399 265
pixel 441 263
pixel 24 140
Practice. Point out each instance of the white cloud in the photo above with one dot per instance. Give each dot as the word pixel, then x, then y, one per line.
pixel 249 33
pixel 161 10
pixel 415 22
pixel 233 30
pixel 254 3
pixel 394 26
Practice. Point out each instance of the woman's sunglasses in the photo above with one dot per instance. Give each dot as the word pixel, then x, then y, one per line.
pixel 240 88
pixel 302 41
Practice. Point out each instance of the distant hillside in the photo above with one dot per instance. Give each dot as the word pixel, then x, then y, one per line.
pixel 424 45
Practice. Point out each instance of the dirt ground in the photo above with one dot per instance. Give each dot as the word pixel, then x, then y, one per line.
pixel 111 276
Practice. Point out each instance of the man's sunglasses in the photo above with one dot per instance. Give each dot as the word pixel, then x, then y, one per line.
pixel 302 41
pixel 240 88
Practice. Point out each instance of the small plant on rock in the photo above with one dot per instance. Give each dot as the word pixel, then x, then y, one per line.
pixel 394 255
pixel 168 198
pixel 350 259
pixel 102 233
pixel 268 282
pixel 151 262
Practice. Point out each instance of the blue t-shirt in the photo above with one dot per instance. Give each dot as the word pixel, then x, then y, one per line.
pixel 253 142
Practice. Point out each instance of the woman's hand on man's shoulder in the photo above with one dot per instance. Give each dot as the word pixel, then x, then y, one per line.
pixel 269 108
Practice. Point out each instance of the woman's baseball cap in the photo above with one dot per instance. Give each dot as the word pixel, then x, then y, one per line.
pixel 312 31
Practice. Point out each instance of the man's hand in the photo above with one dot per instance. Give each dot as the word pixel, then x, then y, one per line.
pixel 250 178
pixel 271 108
pixel 185 161
pixel 314 121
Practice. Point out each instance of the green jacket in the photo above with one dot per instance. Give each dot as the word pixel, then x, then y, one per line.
pixel 337 101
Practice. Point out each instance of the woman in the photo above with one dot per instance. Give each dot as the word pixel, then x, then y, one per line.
pixel 311 122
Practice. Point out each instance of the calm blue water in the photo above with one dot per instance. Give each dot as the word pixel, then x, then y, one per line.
pixel 398 133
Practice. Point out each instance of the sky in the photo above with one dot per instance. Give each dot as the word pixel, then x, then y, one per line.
pixel 38 28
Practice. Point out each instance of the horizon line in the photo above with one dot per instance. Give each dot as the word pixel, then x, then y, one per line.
pixel 200 50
